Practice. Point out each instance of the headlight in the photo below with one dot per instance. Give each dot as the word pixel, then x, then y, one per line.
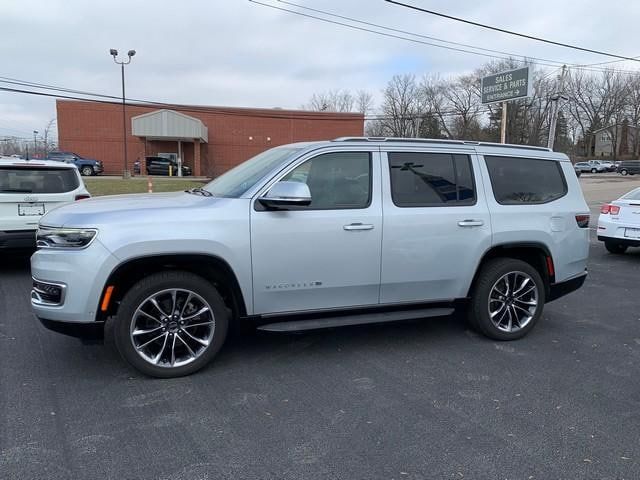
pixel 48 237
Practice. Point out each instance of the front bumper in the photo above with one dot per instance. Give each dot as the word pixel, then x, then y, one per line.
pixel 560 289
pixel 82 273
pixel 17 239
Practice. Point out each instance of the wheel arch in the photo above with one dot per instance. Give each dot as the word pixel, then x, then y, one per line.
pixel 535 254
pixel 211 267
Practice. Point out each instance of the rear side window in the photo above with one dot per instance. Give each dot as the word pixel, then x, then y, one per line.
pixel 431 179
pixel 525 181
pixel 31 180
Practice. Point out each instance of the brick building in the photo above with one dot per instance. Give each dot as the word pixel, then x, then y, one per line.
pixel 210 140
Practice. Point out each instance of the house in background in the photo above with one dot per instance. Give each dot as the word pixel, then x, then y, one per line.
pixel 622 137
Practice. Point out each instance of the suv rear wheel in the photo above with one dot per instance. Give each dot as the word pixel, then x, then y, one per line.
pixel 171 324
pixel 624 171
pixel 594 170
pixel 507 300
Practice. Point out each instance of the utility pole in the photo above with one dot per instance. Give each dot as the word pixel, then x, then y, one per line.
pixel 503 124
pixel 114 53
pixel 555 109
pixel 35 143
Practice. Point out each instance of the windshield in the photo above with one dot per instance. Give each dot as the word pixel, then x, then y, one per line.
pixel 238 180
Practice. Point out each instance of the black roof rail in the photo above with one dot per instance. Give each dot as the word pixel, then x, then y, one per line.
pixel 438 141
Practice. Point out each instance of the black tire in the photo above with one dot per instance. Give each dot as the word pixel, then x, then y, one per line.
pixel 86 171
pixel 624 172
pixel 615 248
pixel 157 283
pixel 594 170
pixel 492 272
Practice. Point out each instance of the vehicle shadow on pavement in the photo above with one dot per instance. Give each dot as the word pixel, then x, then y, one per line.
pixel 253 348
pixel 15 260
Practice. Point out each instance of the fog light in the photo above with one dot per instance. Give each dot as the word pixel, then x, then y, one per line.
pixel 47 293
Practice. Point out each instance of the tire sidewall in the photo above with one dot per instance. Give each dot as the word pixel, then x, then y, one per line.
pixel 163 281
pixel 490 274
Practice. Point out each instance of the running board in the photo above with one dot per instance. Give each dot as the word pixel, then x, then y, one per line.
pixel 361 319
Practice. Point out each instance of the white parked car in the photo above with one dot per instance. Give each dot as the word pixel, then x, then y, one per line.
pixel 28 190
pixel 619 223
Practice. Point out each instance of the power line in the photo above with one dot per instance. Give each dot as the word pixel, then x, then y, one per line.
pixel 510 32
pixel 443 113
pixel 310 115
pixel 526 61
pixel 390 35
pixel 331 14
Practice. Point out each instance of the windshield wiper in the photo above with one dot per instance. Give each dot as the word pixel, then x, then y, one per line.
pixel 16 190
pixel 200 191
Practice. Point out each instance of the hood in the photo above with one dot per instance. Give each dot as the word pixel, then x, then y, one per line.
pixel 137 208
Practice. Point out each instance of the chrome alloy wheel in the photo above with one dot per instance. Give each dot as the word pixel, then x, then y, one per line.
pixel 513 301
pixel 172 328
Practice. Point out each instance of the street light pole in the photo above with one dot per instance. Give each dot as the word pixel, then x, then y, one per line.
pixel 114 53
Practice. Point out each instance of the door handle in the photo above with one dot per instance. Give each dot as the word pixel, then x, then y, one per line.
pixel 470 223
pixel 358 226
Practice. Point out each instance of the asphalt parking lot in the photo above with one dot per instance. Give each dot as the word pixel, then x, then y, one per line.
pixel 418 400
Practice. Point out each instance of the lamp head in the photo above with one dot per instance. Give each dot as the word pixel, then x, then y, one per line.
pixel 113 52
pixel 131 53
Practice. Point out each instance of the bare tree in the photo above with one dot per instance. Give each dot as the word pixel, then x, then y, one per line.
pixel 597 101
pixel 435 103
pixel 464 102
pixel 363 102
pixel 401 106
pixel 47 137
pixel 331 101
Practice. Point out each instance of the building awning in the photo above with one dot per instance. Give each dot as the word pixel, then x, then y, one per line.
pixel 169 125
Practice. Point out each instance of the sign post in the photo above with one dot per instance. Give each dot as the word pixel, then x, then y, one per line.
pixel 503 124
pixel 503 87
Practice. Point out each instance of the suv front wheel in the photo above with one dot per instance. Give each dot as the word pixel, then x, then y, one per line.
pixel 507 300
pixel 171 324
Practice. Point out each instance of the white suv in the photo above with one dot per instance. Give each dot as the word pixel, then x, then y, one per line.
pixel 29 189
pixel 312 235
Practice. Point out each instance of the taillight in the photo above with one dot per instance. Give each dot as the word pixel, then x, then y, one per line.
pixel 582 220
pixel 82 197
pixel 610 209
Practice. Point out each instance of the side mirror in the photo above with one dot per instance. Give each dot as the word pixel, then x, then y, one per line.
pixel 287 194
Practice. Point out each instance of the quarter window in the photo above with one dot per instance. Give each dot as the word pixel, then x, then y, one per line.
pixel 336 180
pixel 517 181
pixel 431 179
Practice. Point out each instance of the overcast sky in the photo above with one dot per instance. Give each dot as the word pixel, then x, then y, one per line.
pixel 236 53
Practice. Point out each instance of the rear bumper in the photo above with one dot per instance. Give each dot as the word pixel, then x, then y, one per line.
pixel 627 242
pixel 87 331
pixel 17 239
pixel 560 289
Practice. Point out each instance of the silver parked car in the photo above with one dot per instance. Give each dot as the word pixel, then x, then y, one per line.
pixel 313 235
pixel 590 167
